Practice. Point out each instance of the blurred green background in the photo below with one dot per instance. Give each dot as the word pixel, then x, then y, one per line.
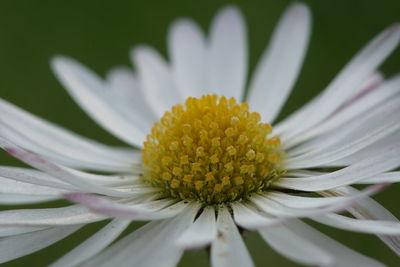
pixel 100 34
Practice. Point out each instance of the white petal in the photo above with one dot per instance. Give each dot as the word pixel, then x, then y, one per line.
pixel 227 61
pixel 48 217
pixel 315 202
pixel 343 256
pixel 367 168
pixel 389 177
pixel 342 87
pixel 357 225
pixel 33 177
pixel 93 245
pixel 17 230
pixel 19 199
pixel 370 97
pixel 149 246
pixel 156 79
pixel 125 85
pixel 367 208
pixel 250 218
pixel 187 49
pixel 276 209
pixel 17 187
pixel 96 99
pixel 20 245
pixel 280 64
pixel 377 148
pixel 352 136
pixel 285 209
pixel 83 181
pixel 201 233
pixel 147 211
pixel 356 140
pixel 43 137
pixel 228 249
pixel 295 247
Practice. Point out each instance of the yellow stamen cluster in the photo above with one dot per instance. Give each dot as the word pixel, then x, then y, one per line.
pixel 211 149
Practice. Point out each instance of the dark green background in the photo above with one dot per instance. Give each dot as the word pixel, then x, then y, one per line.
pixel 100 34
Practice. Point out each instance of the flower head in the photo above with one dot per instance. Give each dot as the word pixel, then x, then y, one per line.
pixel 210 165
pixel 211 149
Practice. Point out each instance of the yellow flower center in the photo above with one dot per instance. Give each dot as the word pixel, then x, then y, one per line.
pixel 211 149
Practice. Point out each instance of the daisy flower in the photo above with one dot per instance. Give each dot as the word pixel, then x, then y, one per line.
pixel 203 163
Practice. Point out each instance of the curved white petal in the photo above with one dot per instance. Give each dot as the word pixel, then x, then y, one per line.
pixel 315 202
pixel 375 121
pixel 228 249
pixel 341 255
pixel 389 177
pixel 93 245
pixel 17 230
pixel 156 79
pixel 125 85
pixel 149 246
pixel 376 148
pixel 20 199
pixel 187 48
pixel 32 176
pixel 281 208
pixel 367 168
pixel 201 233
pixel 280 64
pixel 295 247
pixel 48 217
pixel 342 87
pixel 358 225
pixel 83 181
pixel 371 96
pixel 250 218
pixel 367 208
pixel 274 208
pixel 60 144
pixel 227 58
pixel 379 128
pixel 20 245
pixel 155 210
pixel 18 187
pixel 96 99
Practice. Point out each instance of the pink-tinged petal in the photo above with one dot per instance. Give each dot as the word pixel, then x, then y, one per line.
pixel 83 181
pixel 59 144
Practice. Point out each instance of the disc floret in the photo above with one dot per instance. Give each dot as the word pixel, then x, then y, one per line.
pixel 211 149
